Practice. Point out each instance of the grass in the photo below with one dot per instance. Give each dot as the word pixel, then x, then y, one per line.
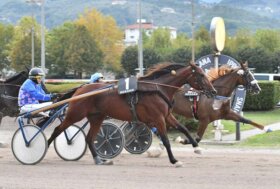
pixel 263 140
pixel 59 88
pixel 261 117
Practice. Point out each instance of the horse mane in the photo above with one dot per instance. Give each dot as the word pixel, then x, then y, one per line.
pixel 161 69
pixel 14 77
pixel 214 73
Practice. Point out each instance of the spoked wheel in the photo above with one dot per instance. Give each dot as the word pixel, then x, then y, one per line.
pixel 34 152
pixel 109 141
pixel 71 145
pixel 138 137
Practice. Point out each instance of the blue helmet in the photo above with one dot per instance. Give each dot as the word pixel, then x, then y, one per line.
pixel 95 77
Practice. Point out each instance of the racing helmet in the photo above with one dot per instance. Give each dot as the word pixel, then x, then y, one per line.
pixel 35 72
pixel 96 77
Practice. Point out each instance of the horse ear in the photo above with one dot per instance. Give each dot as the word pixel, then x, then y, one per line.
pixel 243 65
pixel 27 68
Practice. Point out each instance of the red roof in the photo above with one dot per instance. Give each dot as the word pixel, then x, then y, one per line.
pixel 144 26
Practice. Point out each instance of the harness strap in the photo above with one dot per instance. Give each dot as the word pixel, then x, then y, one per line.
pixel 195 107
pixel 170 104
pixel 132 101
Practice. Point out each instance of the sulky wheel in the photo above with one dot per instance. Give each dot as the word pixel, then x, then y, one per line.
pixel 71 145
pixel 109 141
pixel 32 153
pixel 138 137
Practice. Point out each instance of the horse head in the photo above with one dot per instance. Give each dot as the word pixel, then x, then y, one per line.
pixel 200 81
pixel 17 79
pixel 248 79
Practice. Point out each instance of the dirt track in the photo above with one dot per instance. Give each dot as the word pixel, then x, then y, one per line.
pixel 218 168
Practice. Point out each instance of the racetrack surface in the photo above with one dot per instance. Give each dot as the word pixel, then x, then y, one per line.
pixel 219 167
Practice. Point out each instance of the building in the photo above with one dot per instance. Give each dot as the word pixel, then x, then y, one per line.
pixel 132 32
pixel 119 2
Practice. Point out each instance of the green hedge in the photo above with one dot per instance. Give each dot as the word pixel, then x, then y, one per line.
pixel 266 100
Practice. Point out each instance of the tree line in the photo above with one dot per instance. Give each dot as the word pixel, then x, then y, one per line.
pixel 95 42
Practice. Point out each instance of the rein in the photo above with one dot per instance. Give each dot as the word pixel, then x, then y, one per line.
pixel 160 84
pixel 164 85
pixel 10 84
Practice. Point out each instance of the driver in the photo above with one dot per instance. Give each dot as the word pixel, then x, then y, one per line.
pixel 31 92
pixel 97 77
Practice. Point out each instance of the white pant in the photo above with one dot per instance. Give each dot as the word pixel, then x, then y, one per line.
pixel 31 107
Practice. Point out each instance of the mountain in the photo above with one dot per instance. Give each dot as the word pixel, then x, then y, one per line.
pixel 253 14
pixel 268 8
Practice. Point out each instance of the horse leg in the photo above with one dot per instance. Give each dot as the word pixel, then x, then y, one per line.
pixel 59 129
pixel 161 127
pixel 95 124
pixel 238 118
pixel 1 116
pixel 174 123
pixel 201 129
pixel 167 145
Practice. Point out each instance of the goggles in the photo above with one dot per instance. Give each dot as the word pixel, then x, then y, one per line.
pixel 38 77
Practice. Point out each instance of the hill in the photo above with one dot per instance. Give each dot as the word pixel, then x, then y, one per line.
pixel 237 14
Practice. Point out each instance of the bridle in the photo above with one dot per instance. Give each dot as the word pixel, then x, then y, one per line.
pixel 250 81
pixel 199 81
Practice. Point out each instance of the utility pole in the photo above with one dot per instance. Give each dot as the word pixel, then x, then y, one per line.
pixel 140 48
pixel 32 35
pixel 193 36
pixel 43 35
pixel 42 4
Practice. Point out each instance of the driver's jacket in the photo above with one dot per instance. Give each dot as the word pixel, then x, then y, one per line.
pixel 31 93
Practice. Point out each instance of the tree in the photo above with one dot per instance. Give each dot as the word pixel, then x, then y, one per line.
pixel 275 62
pixel 242 39
pixel 6 36
pixel 83 54
pixel 107 35
pixel 129 59
pixel 57 43
pixel 202 34
pixel 182 55
pixel 160 41
pixel 204 50
pixel 182 40
pixel 72 48
pixel 257 58
pixel 150 57
pixel 267 39
pixel 20 46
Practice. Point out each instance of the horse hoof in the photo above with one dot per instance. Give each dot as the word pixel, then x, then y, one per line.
pixel 178 164
pixel 267 130
pixel 105 162
pixel 179 139
pixel 197 150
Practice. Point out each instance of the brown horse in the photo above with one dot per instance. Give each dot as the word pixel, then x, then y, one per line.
pixel 153 107
pixel 225 80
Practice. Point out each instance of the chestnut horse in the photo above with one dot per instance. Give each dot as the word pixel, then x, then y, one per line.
pixel 225 80
pixel 154 101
